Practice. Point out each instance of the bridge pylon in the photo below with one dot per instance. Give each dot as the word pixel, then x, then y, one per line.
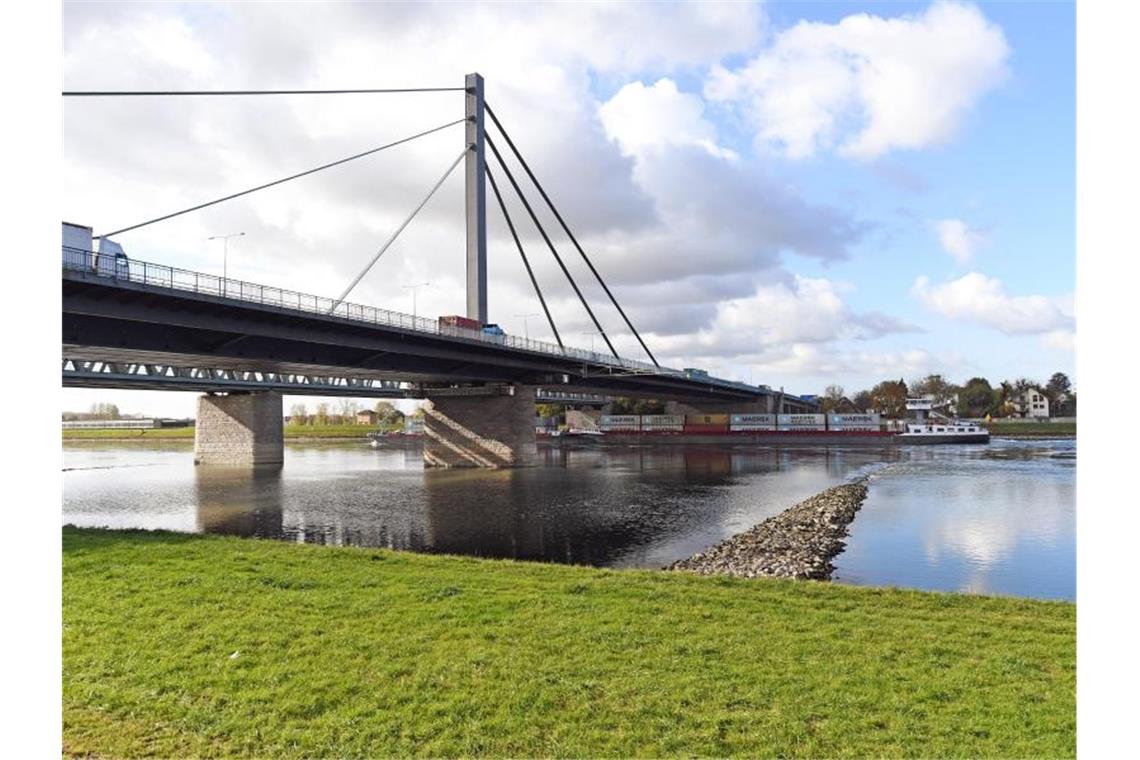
pixel 476 202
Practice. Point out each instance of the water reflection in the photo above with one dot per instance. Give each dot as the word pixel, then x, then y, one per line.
pixel 985 518
pixel 998 519
pixel 239 501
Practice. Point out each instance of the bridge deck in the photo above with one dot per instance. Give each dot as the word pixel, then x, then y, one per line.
pixel 147 313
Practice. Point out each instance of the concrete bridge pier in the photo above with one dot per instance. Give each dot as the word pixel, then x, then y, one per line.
pixel 239 429
pixel 491 431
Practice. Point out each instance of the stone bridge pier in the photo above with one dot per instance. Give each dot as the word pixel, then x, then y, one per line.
pixel 492 431
pixel 239 430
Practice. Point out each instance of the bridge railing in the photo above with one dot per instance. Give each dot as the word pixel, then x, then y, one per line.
pixel 174 278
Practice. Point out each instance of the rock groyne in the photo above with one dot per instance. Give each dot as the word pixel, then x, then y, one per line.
pixel 800 542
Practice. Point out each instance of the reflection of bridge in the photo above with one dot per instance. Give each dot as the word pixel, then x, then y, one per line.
pixel 135 324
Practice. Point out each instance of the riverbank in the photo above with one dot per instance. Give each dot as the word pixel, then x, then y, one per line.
pixel 799 543
pixel 292 433
pixel 177 645
pixel 1032 429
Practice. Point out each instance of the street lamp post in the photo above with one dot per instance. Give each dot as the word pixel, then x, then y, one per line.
pixel 225 254
pixel 526 328
pixel 591 333
pixel 414 288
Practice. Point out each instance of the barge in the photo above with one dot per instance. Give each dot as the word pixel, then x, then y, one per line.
pixel 778 429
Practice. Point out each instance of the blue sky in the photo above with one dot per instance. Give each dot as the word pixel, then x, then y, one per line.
pixel 764 185
pixel 1010 171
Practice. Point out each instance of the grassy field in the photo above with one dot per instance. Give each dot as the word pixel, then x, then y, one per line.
pixel 177 645
pixel 130 435
pixel 1031 429
pixel 291 432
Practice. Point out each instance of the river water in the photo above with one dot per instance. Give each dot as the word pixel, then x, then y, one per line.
pixel 988 519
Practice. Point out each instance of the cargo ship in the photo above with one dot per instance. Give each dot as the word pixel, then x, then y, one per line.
pixel 785 429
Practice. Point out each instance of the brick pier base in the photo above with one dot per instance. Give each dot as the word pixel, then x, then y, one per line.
pixel 239 429
pixel 481 431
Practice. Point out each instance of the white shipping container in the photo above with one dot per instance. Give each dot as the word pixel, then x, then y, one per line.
pixel 617 422
pixel 752 422
pixel 663 423
pixel 801 422
pixel 662 420
pixel 853 421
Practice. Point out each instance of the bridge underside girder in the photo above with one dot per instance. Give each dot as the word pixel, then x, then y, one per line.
pixel 129 322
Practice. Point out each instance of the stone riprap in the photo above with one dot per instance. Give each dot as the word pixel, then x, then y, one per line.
pixel 800 542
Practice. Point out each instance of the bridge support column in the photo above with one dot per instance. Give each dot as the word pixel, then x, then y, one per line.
pixel 239 429
pixel 481 431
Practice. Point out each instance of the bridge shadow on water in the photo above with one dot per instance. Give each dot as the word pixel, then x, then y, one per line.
pixel 611 506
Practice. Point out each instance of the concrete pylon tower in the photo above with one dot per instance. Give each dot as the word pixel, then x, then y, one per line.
pixel 476 187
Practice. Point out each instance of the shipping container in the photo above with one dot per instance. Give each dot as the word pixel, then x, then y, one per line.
pixel 706 419
pixel 663 422
pixel 801 422
pixel 454 320
pixel 752 422
pixel 853 421
pixel 706 423
pixel 630 423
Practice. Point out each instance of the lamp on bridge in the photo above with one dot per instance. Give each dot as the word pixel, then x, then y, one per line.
pixel 225 254
pixel 591 333
pixel 414 289
pixel 526 328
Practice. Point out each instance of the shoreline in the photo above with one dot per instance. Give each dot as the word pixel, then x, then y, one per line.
pixel 798 543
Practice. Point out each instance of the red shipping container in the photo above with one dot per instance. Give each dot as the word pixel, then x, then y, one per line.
pixel 454 320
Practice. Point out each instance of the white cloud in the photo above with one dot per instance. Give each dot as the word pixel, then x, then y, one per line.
pixel 983 300
pixel 958 239
pixel 868 85
pixel 643 119
pixel 1062 340
pixel 802 311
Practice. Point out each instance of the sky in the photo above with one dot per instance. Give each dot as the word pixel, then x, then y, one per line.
pixel 794 194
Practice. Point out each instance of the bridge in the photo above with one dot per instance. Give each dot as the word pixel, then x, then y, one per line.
pixel 129 323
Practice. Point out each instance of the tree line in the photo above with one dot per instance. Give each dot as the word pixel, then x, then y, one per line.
pixel 974 398
pixel 344 413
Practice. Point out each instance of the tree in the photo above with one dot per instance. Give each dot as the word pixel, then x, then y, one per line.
pixel 936 386
pixel 322 415
pixel 862 400
pixel 976 398
pixel 622 406
pixel 348 408
pixel 832 395
pixel 1058 384
pixel 104 412
pixel 557 411
pixel 298 414
pixel 1022 384
pixel 649 406
pixel 388 414
pixel 888 398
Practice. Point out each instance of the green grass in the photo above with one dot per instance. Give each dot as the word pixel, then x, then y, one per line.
pixel 129 435
pixel 1031 429
pixel 177 645
pixel 291 432
pixel 328 431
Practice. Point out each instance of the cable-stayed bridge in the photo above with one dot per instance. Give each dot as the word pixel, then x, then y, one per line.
pixel 137 324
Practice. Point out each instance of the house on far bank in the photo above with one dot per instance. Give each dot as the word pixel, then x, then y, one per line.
pixel 366 417
pixel 1030 403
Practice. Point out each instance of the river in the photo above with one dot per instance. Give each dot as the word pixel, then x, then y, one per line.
pixel 987 519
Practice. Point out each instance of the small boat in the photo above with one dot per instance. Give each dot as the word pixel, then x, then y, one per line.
pixel 939 430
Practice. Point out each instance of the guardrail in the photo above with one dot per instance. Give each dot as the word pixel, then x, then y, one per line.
pixel 174 278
